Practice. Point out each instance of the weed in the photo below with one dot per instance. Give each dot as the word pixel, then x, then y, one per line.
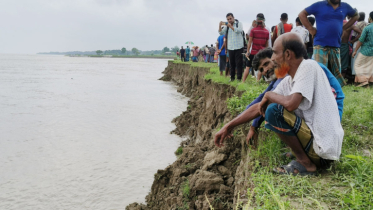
pixel 179 151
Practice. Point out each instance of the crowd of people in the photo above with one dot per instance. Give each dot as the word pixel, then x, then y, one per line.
pixel 306 68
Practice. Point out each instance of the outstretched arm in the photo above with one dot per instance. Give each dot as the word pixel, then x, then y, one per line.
pixel 246 116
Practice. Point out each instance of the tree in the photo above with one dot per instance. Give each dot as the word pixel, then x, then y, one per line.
pixel 175 49
pixel 124 50
pixel 135 51
pixel 99 52
pixel 165 49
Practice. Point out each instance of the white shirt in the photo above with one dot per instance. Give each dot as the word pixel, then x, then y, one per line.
pixel 270 36
pixel 318 108
pixel 304 33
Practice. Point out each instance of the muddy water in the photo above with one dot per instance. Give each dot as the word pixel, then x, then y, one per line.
pixel 83 133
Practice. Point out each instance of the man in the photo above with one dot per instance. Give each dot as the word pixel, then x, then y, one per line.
pixel 182 54
pixel 291 59
pixel 361 24
pixel 310 43
pixel 364 60
pixel 212 53
pixel 327 38
pixel 258 40
pixel 301 112
pixel 207 53
pixel 222 55
pixel 345 48
pixel 235 44
pixel 262 61
pixel 303 33
pixel 282 27
pixel 246 59
pixel 187 53
pixel 195 54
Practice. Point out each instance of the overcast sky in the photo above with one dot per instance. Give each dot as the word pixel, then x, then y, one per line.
pixel 31 26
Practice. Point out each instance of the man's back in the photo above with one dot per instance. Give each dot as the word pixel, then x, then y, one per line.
pixel 260 37
pixel 329 22
pixel 182 52
pixel 304 34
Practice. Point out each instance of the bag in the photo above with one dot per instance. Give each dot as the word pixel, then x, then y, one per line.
pixel 243 37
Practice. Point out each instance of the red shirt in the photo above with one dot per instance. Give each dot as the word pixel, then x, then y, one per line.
pixel 260 37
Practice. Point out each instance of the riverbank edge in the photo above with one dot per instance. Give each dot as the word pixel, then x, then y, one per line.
pixel 204 174
pixel 202 170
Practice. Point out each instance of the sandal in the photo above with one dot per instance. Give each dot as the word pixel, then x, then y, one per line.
pixel 289 168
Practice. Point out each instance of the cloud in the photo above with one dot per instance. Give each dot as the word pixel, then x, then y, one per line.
pixel 51 25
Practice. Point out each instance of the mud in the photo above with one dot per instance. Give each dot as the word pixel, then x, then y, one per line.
pixel 202 170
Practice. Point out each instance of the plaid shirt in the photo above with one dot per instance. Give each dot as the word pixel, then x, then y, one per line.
pixel 235 38
pixel 367 39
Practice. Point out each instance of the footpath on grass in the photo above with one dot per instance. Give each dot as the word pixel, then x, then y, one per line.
pixel 239 177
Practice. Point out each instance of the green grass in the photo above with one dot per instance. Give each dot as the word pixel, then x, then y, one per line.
pixel 179 151
pixel 347 185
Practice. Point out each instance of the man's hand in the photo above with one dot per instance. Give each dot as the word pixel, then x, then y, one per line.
pixel 221 135
pixel 313 31
pixel 354 54
pixel 252 136
pixel 221 23
pixel 263 105
pixel 230 26
pixel 219 51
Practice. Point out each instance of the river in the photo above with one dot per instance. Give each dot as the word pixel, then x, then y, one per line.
pixel 83 133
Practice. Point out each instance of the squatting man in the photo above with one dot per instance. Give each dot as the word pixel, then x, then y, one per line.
pixel 304 110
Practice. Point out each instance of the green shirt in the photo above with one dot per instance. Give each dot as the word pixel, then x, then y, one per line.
pixel 367 39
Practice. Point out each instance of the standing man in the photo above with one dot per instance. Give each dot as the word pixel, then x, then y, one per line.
pixel 207 53
pixel 222 55
pixel 187 53
pixel 345 48
pixel 282 27
pixel 212 53
pixel 258 40
pixel 327 37
pixel 310 43
pixel 182 54
pixel 304 34
pixel 235 44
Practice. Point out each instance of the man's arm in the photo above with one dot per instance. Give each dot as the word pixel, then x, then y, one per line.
pixel 303 18
pixel 249 45
pixel 358 31
pixel 358 45
pixel 238 29
pixel 290 102
pixel 266 43
pixel 351 21
pixel 245 117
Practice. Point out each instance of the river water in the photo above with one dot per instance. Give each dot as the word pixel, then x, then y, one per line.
pixel 83 133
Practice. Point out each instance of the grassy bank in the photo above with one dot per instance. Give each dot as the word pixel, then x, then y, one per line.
pixel 347 185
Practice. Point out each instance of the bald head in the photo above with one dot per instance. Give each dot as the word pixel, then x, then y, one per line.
pixel 291 41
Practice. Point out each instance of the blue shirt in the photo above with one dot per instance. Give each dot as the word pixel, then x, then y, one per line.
pixel 332 81
pixel 258 121
pixel 221 42
pixel 329 22
pixel 337 87
pixel 187 51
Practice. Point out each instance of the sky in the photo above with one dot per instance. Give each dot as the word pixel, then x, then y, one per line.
pixel 32 26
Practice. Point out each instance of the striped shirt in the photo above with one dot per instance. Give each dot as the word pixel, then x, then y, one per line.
pixel 260 37
pixel 367 39
pixel 235 38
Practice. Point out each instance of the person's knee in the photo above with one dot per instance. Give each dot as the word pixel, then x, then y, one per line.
pixel 271 112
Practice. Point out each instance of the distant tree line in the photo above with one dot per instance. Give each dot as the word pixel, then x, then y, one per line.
pixel 122 51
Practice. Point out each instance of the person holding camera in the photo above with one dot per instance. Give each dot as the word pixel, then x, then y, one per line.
pixel 235 44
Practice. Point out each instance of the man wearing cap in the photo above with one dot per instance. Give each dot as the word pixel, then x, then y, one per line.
pixel 258 40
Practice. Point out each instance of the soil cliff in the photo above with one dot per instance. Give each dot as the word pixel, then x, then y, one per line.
pixel 203 174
